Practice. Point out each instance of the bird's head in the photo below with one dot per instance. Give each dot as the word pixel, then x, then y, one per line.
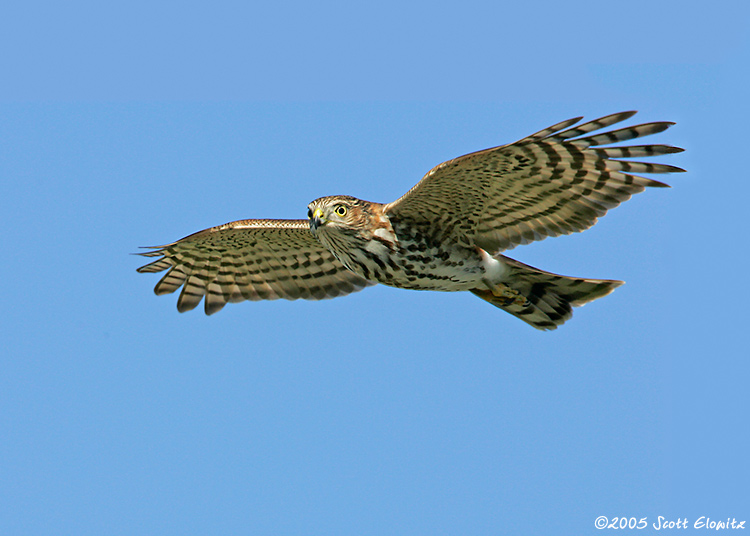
pixel 336 213
pixel 347 225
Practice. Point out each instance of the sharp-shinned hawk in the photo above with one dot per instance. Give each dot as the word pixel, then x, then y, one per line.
pixel 446 233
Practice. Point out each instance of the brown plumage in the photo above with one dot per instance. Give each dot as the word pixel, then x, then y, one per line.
pixel 446 233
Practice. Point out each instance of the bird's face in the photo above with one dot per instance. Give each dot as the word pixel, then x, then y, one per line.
pixel 334 213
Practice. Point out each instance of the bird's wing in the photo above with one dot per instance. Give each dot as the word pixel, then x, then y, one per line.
pixel 557 181
pixel 250 260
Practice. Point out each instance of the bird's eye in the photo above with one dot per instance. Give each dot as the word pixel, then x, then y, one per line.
pixel 309 213
pixel 340 211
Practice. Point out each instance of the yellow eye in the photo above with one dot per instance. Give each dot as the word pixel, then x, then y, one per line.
pixel 340 211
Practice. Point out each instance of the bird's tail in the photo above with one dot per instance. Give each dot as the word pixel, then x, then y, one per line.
pixel 542 299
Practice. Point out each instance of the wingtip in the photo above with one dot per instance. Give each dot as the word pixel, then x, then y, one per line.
pixel 154 251
pixel 659 126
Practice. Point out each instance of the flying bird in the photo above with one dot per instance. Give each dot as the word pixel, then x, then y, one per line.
pixel 446 233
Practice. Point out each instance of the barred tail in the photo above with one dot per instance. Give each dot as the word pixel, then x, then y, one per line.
pixel 542 299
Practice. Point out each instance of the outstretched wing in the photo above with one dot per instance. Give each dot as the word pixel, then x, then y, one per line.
pixel 557 181
pixel 250 260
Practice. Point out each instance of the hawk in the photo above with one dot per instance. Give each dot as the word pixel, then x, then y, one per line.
pixel 446 233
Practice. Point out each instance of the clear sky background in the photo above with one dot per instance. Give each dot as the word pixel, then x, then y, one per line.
pixel 386 412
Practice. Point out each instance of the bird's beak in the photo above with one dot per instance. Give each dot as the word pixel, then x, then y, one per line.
pixel 317 219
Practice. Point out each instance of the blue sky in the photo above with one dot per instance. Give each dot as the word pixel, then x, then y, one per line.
pixel 388 411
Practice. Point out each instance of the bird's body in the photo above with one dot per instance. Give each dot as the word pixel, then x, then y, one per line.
pixel 397 254
pixel 444 234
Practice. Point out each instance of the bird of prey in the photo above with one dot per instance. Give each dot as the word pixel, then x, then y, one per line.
pixel 446 233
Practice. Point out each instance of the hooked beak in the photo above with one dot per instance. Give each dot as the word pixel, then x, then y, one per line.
pixel 316 219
